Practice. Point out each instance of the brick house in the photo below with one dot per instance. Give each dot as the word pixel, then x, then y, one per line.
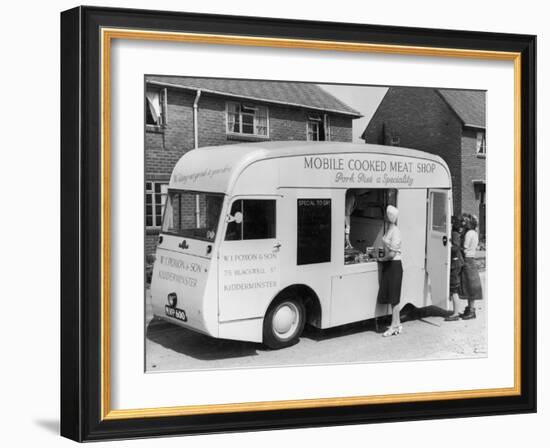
pixel 186 113
pixel 449 123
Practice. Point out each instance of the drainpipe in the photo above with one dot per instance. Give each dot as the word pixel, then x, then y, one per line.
pixel 196 135
pixel 196 118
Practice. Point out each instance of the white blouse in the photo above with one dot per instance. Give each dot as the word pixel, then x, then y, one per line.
pixel 392 241
pixel 471 241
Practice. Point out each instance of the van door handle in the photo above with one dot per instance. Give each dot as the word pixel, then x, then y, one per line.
pixel 277 246
pixel 445 240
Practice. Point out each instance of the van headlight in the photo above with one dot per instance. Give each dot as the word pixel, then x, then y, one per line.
pixel 172 299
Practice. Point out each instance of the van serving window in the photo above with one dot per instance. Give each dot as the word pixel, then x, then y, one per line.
pixel 258 221
pixel 364 215
pixel 314 231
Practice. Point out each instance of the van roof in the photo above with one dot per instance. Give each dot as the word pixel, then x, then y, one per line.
pixel 215 168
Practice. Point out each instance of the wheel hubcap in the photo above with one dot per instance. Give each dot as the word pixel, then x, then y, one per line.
pixel 285 320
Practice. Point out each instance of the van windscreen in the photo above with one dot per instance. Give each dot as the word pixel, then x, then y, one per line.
pixel 192 214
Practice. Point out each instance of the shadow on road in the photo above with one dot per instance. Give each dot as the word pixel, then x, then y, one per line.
pixel 378 325
pixel 202 347
pixel 196 345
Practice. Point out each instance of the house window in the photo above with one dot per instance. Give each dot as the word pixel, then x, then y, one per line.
pixel 155 107
pixel 481 144
pixel 247 119
pixel 155 199
pixel 318 128
pixel 312 130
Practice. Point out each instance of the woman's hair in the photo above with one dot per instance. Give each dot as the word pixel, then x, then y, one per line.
pixel 470 221
pixel 392 213
pixel 474 222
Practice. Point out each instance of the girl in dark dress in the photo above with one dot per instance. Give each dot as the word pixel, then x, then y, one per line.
pixel 391 272
pixel 457 262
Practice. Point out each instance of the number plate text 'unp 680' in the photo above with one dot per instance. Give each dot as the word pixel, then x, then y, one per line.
pixel 176 313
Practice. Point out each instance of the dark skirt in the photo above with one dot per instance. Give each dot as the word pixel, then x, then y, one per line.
pixel 456 271
pixel 391 277
pixel 471 283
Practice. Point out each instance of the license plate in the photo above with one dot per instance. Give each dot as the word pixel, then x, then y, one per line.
pixel 176 313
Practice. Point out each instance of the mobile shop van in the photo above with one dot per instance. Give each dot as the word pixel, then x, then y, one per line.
pixel 253 243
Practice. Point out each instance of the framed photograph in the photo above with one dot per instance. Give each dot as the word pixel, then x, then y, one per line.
pixel 277 224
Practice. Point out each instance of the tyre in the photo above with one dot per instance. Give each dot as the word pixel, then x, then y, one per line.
pixel 284 323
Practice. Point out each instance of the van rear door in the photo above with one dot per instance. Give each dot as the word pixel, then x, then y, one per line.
pixel 438 246
pixel 183 257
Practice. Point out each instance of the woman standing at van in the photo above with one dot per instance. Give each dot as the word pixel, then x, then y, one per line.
pixel 471 283
pixel 457 262
pixel 392 271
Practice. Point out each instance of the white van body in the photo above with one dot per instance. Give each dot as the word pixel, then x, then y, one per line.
pixel 224 286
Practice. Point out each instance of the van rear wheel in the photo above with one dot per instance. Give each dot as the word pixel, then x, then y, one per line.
pixel 284 323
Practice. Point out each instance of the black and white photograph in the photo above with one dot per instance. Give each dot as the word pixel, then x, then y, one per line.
pixel 302 223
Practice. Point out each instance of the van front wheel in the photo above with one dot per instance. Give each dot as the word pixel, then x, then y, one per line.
pixel 284 323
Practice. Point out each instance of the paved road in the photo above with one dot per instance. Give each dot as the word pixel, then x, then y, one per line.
pixel 426 336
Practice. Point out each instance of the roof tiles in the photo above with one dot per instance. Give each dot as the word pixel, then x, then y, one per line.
pixel 291 93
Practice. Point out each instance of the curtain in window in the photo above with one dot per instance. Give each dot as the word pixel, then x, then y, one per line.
pixel 153 101
pixel 480 142
pixel 233 122
pixel 261 121
pixel 313 131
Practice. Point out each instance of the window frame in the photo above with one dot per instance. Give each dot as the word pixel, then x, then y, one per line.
pixel 249 105
pixel 436 228
pixel 163 105
pixel 481 144
pixel 164 194
pixel 316 120
pixel 195 192
pixel 319 120
pixel 310 132
pixel 248 198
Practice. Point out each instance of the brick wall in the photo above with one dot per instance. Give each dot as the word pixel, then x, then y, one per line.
pixel 163 148
pixel 151 239
pixel 211 122
pixel 340 129
pixel 473 169
pixel 420 119
pixel 287 123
